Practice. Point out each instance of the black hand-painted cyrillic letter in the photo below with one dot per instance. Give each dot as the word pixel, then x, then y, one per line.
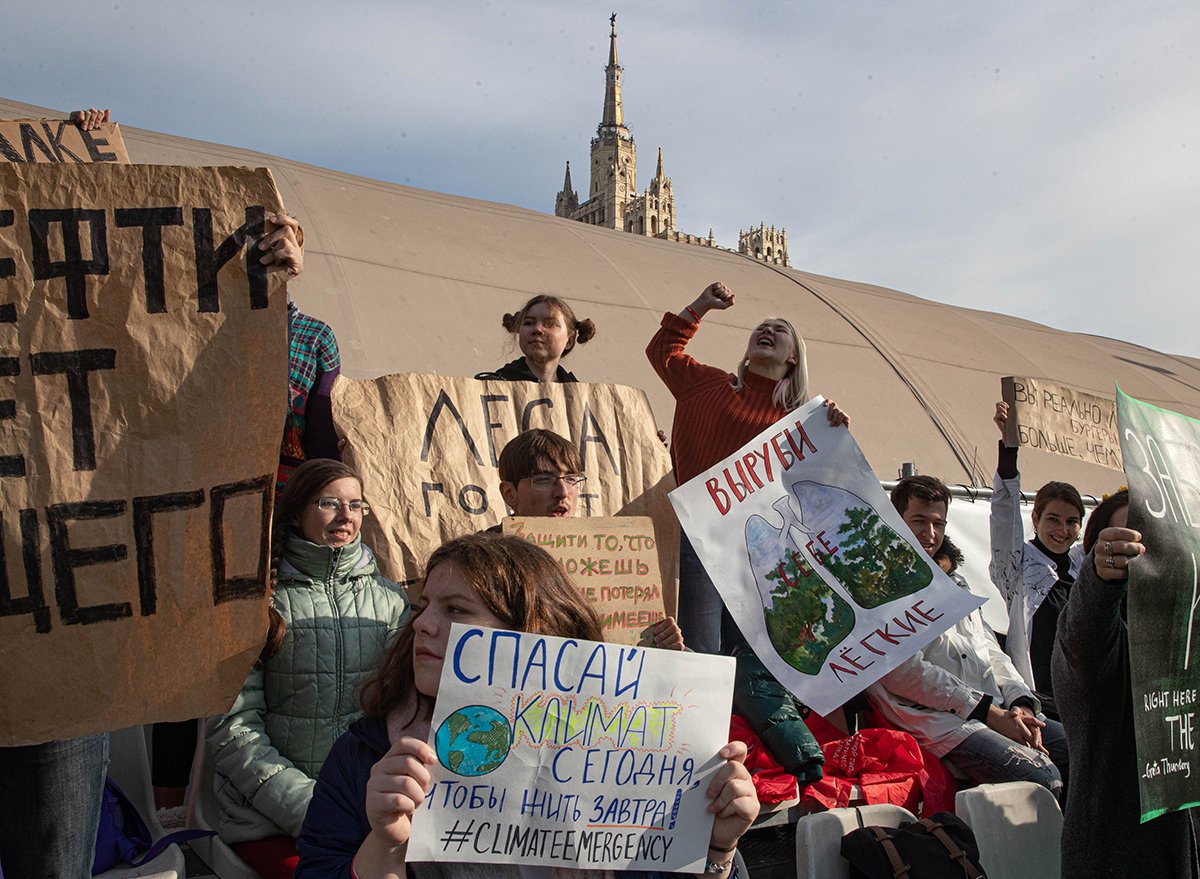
pixel 144 509
pixel 76 365
pixel 151 220
pixel 34 602
pixel 245 586
pixel 10 465
pixel 65 560
pixel 74 268
pixel 209 259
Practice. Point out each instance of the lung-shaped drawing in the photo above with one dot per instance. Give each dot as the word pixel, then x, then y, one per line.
pixel 805 619
pixel 872 562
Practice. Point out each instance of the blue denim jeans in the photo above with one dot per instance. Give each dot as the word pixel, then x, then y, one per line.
pixel 50 806
pixel 700 605
pixel 987 757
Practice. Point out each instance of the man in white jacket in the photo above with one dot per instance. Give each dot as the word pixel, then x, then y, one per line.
pixel 961 697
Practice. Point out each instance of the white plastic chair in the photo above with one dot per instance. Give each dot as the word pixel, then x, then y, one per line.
pixel 129 767
pixel 1018 826
pixel 819 837
pixel 203 812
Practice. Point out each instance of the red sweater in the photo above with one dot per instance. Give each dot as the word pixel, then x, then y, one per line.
pixel 712 420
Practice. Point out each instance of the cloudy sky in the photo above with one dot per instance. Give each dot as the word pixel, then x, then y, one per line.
pixel 1038 159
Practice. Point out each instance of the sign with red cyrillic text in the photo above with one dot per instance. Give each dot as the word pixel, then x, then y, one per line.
pixel 819 571
pixel 613 562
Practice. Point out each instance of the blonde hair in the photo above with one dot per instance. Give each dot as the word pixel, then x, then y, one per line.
pixel 791 391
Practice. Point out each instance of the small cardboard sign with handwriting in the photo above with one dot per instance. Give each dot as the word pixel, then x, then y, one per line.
pixel 613 561
pixel 1061 420
pixel 59 142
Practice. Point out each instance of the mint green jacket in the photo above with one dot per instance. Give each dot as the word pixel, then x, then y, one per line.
pixel 340 614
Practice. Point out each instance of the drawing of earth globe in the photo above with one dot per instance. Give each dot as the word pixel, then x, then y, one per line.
pixel 474 740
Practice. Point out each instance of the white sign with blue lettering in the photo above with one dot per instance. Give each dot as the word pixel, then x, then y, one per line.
pixel 561 752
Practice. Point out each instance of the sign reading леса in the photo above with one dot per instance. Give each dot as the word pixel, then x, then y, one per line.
pixel 427 448
pixel 142 357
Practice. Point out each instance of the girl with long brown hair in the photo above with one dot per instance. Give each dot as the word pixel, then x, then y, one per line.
pixel 376 776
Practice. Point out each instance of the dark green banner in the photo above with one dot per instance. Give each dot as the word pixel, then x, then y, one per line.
pixel 1162 463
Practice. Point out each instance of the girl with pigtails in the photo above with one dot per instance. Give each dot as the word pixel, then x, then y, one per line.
pixel 547 331
pixel 332 617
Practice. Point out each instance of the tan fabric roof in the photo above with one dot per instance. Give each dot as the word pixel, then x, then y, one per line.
pixel 416 281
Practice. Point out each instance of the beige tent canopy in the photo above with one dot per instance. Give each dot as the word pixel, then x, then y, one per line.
pixel 416 281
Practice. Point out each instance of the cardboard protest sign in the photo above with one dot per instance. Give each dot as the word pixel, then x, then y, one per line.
pixel 1062 420
pixel 820 573
pixel 572 753
pixel 1164 640
pixel 143 351
pixel 427 448
pixel 613 561
pixel 59 142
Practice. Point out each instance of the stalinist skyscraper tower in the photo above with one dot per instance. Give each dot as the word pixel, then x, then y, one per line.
pixel 614 159
pixel 613 200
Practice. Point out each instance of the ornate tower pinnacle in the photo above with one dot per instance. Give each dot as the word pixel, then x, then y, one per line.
pixel 613 116
pixel 567 201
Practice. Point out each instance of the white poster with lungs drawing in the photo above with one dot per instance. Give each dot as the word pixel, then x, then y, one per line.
pixel 820 573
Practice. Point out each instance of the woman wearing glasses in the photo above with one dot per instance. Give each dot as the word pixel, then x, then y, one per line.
pixel 332 616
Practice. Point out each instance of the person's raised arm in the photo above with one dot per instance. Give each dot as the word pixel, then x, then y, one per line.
pixel 678 370
pixel 1089 628
pixel 715 297
pixel 735 805
pixel 1006 567
pixel 395 790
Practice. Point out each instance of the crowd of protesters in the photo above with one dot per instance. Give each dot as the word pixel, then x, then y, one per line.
pixel 323 759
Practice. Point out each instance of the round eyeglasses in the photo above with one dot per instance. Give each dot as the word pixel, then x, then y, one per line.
pixel 334 505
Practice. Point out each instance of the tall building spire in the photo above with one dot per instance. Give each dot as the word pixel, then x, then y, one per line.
pixel 567 179
pixel 613 116
pixel 658 174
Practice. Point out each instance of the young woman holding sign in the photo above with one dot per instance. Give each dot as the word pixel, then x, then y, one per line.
pixel 716 413
pixel 332 616
pixel 1103 834
pixel 547 331
pixel 376 775
pixel 1034 576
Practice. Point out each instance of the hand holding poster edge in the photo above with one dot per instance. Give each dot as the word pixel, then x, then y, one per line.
pixel 784 591
pixel 601 764
pixel 1158 448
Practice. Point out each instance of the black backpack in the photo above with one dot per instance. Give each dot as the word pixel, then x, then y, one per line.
pixel 938 847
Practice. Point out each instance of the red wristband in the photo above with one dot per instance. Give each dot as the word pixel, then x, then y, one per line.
pixel 692 312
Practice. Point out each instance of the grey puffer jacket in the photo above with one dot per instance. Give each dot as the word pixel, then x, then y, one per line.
pixel 340 614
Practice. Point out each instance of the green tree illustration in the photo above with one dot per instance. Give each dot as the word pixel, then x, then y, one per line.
pixel 805 621
pixel 873 562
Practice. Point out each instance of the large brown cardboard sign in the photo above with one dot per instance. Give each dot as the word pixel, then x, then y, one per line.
pixel 614 562
pixel 56 141
pixel 143 385
pixel 427 448
pixel 1061 420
